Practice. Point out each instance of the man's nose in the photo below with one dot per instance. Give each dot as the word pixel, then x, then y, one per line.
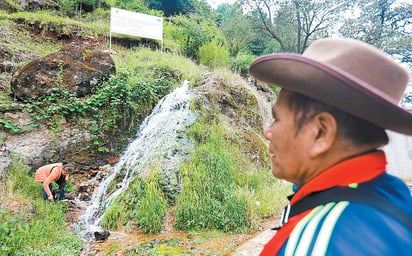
pixel 268 133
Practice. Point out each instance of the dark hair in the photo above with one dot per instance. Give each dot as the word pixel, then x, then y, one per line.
pixel 68 168
pixel 354 129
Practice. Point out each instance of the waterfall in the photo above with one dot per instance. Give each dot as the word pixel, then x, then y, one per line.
pixel 161 140
pixel 399 155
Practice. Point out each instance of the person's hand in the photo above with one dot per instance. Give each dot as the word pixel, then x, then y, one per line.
pixel 51 198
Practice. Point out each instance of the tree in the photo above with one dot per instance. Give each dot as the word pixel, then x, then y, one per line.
pixel 176 7
pixel 383 23
pixel 236 28
pixel 192 31
pixel 293 23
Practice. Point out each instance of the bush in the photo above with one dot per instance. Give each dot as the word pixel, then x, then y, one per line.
pixel 213 54
pixel 192 32
pixel 241 63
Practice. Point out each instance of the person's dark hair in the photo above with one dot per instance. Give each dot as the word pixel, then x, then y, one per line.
pixel 68 168
pixel 356 130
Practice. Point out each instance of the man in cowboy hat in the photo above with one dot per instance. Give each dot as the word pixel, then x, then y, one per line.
pixel 57 172
pixel 336 101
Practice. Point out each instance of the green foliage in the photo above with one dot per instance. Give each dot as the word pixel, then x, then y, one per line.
pixel 236 28
pixel 111 218
pixel 18 178
pixel 33 226
pixel 213 54
pixel 192 31
pixel 220 188
pixel 143 203
pixel 208 199
pixel 384 24
pixel 241 63
pixel 61 26
pixel 150 214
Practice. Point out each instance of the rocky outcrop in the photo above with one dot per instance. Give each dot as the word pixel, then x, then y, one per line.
pixel 41 145
pixel 78 70
pixel 35 5
pixel 7 6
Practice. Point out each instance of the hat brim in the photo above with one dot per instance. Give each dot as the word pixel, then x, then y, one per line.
pixel 332 86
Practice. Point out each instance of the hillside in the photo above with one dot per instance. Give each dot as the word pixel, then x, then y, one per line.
pixel 236 192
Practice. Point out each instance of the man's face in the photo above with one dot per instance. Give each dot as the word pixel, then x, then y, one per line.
pixel 288 149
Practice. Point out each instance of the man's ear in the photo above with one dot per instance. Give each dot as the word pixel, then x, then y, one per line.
pixel 324 130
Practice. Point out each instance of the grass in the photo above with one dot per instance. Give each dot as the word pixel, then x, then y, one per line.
pixel 28 224
pixel 222 188
pixel 143 203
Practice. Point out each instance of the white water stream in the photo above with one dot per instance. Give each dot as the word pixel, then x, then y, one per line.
pixel 399 155
pixel 161 140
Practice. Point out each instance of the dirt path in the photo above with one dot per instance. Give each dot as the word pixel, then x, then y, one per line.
pixel 255 245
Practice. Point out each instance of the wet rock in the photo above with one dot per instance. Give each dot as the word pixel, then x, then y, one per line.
pixel 155 241
pixel 79 70
pixel 84 187
pixel 4 159
pixel 69 196
pixel 85 196
pixel 102 235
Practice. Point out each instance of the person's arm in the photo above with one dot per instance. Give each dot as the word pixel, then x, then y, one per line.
pixel 46 184
pixel 54 175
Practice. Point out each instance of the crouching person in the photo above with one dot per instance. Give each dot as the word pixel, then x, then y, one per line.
pixel 57 172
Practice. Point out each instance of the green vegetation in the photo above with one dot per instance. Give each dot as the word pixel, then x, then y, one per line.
pixel 223 189
pixel 143 203
pixel 28 224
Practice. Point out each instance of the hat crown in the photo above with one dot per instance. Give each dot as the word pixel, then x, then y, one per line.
pixel 363 62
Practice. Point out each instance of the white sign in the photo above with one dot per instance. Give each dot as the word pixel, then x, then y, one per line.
pixel 136 24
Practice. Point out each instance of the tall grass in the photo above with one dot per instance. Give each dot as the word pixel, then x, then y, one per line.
pixel 143 203
pixel 222 188
pixel 143 61
pixel 28 224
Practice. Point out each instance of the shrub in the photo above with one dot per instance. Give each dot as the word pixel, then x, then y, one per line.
pixel 213 54
pixel 241 63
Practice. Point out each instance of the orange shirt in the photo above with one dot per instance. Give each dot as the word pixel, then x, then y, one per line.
pixel 355 170
pixel 44 175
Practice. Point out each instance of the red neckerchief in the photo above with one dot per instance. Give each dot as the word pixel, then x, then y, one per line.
pixel 355 170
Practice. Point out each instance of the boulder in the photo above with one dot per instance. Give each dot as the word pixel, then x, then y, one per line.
pixel 36 5
pixel 7 6
pixel 79 70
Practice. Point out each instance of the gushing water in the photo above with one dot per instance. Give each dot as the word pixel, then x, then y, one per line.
pixel 161 140
pixel 399 155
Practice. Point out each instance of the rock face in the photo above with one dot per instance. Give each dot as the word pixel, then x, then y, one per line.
pixel 79 70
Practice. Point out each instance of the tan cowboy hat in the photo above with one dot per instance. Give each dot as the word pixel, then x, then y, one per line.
pixel 345 73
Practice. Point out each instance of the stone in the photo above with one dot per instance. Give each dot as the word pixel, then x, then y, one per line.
pixel 34 5
pixel 77 69
pixel 102 235
pixel 4 159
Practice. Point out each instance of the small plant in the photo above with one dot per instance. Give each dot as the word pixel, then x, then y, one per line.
pixel 241 63
pixel 213 54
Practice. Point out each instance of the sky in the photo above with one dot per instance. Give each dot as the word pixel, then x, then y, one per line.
pixel 215 3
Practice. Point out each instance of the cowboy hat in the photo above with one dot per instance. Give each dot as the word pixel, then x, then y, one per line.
pixel 348 74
